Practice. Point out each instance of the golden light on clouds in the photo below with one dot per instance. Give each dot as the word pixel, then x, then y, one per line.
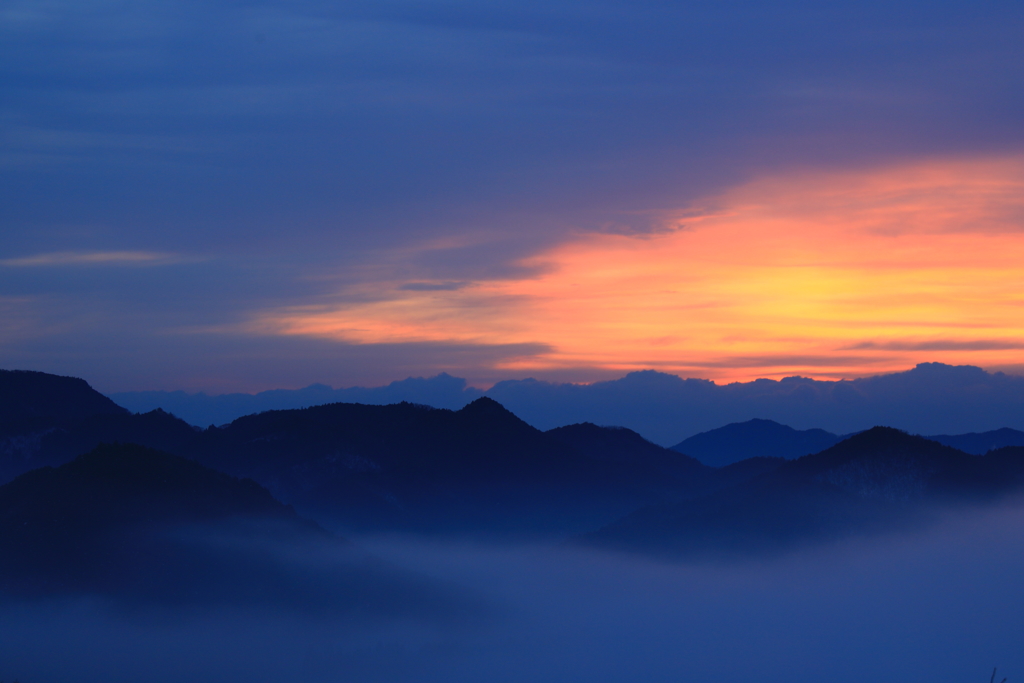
pixel 825 275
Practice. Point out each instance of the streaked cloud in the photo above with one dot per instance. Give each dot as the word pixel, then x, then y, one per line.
pixel 786 276
pixel 431 286
pixel 943 345
pixel 584 169
pixel 94 258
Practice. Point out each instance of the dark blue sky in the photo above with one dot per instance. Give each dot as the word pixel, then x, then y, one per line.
pixel 170 169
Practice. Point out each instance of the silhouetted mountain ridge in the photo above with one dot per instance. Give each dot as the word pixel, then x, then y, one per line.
pixel 927 399
pixel 878 480
pixel 619 444
pixel 440 391
pixel 981 443
pixel 754 438
pixel 26 395
pixel 767 438
pixel 54 441
pixel 483 470
pixel 90 524
pixel 407 466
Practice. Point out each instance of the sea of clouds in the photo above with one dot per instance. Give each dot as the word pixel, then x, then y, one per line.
pixel 945 605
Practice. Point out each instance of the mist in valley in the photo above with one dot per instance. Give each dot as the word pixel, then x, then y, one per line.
pixel 946 604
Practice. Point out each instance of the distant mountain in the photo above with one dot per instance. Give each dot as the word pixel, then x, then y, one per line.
pixel 979 444
pixel 440 391
pixel 929 399
pixel 878 480
pixel 96 524
pixel 755 438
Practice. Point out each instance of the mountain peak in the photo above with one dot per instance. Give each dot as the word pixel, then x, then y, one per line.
pixel 754 438
pixel 882 437
pixel 879 444
pixel 486 406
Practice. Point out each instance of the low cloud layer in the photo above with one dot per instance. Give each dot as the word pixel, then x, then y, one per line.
pixel 940 605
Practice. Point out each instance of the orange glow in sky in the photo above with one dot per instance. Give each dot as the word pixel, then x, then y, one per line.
pixel 817 274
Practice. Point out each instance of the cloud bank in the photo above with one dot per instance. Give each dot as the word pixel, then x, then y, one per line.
pixel 944 605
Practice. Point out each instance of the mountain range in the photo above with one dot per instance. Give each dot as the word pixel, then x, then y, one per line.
pixel 931 398
pixel 878 480
pixel 405 466
pixel 95 498
pixel 742 440
pixel 104 522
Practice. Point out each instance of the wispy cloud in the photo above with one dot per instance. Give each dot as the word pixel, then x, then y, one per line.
pixel 941 345
pixel 431 286
pixel 93 258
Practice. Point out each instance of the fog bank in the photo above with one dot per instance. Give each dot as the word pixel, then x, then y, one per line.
pixel 946 605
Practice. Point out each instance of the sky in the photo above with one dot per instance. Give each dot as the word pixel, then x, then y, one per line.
pixel 239 196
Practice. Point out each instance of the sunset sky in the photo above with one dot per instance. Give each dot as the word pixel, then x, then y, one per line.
pixel 243 196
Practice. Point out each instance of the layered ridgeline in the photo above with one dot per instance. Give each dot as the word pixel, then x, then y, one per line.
pixel 879 480
pixel 767 438
pixel 482 470
pixel 49 420
pixel 408 467
pixel 131 524
pixel 931 398
pixel 126 519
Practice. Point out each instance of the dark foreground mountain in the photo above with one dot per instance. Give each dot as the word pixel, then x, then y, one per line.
pixel 26 395
pixel 480 468
pixel 50 420
pixel 878 480
pixel 755 438
pixel 396 467
pixel 131 523
pixel 407 467
pixel 106 521
pixel 53 441
pixel 621 445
